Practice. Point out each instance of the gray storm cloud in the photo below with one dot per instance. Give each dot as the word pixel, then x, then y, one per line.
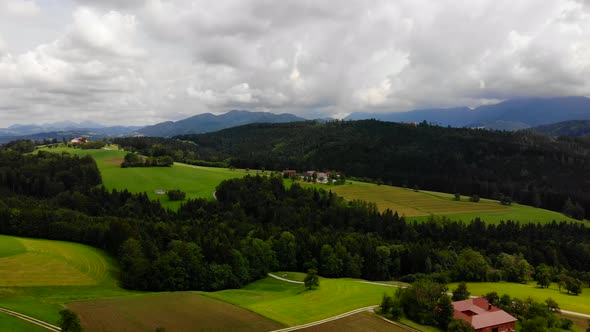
pixel 140 62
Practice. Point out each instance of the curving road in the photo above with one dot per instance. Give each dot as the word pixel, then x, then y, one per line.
pixel 566 312
pixel 31 320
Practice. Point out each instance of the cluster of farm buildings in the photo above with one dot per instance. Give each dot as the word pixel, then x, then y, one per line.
pixel 483 316
pixel 312 176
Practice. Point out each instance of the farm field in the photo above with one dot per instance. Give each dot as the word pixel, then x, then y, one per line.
pixel 37 277
pixel 292 305
pixel 10 324
pixel 196 181
pixel 421 205
pixel 363 321
pixel 180 311
pixel 579 303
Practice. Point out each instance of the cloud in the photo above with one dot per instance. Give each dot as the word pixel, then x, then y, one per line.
pixel 2 46
pixel 19 8
pixel 154 60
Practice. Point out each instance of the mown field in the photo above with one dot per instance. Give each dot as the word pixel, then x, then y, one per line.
pixel 37 277
pixel 578 303
pixel 26 262
pixel 180 311
pixel 291 304
pixel 195 181
pixel 421 205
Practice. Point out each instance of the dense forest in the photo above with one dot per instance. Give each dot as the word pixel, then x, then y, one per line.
pixel 531 168
pixel 256 225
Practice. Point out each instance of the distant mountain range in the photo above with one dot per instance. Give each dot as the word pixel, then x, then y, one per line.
pixel 514 114
pixel 511 114
pixel 60 130
pixel 204 123
pixel 566 128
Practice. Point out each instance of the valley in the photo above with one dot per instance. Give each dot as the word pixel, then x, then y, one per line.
pixel 196 284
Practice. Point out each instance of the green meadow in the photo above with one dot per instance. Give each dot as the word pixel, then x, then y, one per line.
pixel 38 277
pixel 422 205
pixel 195 181
pixel 578 303
pixel 200 182
pixel 292 305
pixel 9 324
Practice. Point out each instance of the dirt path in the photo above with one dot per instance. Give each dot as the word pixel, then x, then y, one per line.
pixel 573 313
pixel 31 320
pixel 298 327
pixel 283 279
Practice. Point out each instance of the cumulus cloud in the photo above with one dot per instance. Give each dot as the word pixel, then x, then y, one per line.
pixel 152 60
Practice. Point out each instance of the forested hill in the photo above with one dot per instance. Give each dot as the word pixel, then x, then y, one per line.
pixel 566 128
pixel 531 168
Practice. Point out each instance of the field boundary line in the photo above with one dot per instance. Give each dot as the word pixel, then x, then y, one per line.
pixel 380 284
pixel 283 279
pixel 326 320
pixel 403 326
pixel 31 320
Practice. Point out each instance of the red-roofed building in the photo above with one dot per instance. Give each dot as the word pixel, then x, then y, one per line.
pixel 289 172
pixel 483 316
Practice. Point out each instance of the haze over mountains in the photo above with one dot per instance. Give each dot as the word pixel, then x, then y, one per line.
pixel 514 114
pixel 511 114
pixel 204 123
pixel 565 128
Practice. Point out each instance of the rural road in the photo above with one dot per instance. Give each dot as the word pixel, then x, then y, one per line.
pixel 31 320
pixel 283 279
pixel 566 312
pixel 298 327
pixel 573 313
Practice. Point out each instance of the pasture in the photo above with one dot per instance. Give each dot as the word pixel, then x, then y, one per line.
pixel 292 305
pixel 578 303
pixel 180 311
pixel 195 181
pixel 33 262
pixel 37 277
pixel 422 205
pixel 11 324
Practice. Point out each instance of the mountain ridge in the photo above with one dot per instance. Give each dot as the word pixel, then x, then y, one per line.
pixel 511 114
pixel 207 122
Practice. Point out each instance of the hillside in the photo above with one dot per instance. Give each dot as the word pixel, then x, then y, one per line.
pixel 532 169
pixel 204 123
pixel 566 128
pixel 513 114
pixel 454 117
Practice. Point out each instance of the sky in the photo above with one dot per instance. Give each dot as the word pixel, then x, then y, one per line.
pixel 135 62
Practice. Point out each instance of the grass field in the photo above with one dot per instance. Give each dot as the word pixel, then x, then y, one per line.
pixel 196 181
pixel 180 311
pixel 10 324
pixel 579 303
pixel 37 277
pixel 26 262
pixel 421 205
pixel 291 304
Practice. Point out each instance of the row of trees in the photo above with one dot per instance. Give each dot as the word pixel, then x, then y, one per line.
pixel 525 167
pixel 135 160
pixel 256 225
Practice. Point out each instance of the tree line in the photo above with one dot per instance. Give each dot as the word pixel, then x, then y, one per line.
pixel 257 225
pixel 526 167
